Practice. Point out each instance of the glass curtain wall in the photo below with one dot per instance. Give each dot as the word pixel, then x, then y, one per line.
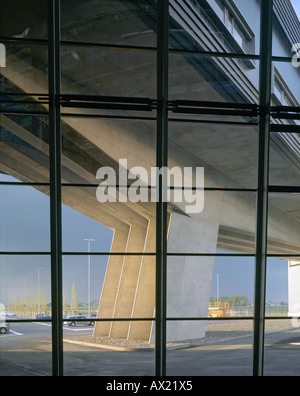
pixel 102 256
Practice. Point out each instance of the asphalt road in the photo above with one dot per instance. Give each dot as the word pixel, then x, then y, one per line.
pixel 26 351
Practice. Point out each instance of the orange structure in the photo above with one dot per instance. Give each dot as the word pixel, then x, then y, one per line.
pixel 219 310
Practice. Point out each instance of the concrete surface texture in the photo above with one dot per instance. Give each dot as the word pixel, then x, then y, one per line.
pixel 227 153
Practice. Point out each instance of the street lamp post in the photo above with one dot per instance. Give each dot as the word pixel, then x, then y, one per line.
pixel 218 287
pixel 89 241
pixel 38 270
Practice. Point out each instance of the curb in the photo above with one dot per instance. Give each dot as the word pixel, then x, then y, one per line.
pixel 108 347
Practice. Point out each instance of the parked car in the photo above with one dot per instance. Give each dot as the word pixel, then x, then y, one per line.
pixel 43 316
pixel 8 314
pixel 75 320
pixel 92 323
pixel 4 328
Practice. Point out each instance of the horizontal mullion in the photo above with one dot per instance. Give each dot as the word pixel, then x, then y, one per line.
pixel 171 319
pixel 285 189
pixel 10 253
pixel 25 113
pixel 27 184
pixel 231 55
pixel 19 40
pixel 116 47
pixel 170 254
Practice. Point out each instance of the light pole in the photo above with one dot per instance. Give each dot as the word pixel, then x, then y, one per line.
pixel 89 241
pixel 38 270
pixel 218 287
pixel 25 293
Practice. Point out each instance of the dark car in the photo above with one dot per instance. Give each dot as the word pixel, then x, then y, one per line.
pixel 75 320
pixel 43 317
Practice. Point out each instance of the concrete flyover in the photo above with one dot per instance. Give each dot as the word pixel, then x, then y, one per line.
pixel 228 152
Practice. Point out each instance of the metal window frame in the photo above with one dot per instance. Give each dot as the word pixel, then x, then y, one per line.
pixel 163 107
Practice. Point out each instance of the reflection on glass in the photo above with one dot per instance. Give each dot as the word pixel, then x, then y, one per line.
pixel 24 19
pixel 283 230
pixel 109 22
pixel 25 147
pixel 90 71
pixel 92 144
pixel 288 15
pixel 215 26
pixel 26 68
pixel 213 79
pixel 284 152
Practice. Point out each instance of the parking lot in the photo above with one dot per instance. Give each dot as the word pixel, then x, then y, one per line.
pixel 26 351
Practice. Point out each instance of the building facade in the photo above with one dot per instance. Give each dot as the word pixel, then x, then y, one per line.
pixel 124 88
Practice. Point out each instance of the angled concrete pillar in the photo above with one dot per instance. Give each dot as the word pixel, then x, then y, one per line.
pixel 129 287
pixel 111 283
pixel 144 302
pixel 189 278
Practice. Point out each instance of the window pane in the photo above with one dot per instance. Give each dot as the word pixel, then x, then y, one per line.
pixel 26 351
pixel 225 351
pixel 281 348
pixel 91 144
pixel 283 230
pixel 284 154
pixel 26 68
pixel 84 355
pixel 196 77
pixel 23 19
pixel 25 292
pixel 25 148
pixel 208 287
pixel 227 222
pixel 228 153
pixel 25 219
pixel 25 285
pixel 209 26
pixel 94 71
pixel 286 30
pixel 278 287
pixel 109 22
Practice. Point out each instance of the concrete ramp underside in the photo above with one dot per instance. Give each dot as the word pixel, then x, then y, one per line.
pixel 228 221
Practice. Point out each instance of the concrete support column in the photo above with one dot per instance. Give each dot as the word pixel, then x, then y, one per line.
pixel 189 278
pixel 111 283
pixel 144 302
pixel 128 281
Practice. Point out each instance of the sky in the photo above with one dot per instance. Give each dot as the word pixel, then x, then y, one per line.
pixel 25 227
pixel 296 5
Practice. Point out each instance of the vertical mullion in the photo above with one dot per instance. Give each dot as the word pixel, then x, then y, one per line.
pixel 263 185
pixel 55 185
pixel 161 206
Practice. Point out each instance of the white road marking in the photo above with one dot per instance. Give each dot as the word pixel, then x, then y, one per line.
pixel 66 327
pixel 15 333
